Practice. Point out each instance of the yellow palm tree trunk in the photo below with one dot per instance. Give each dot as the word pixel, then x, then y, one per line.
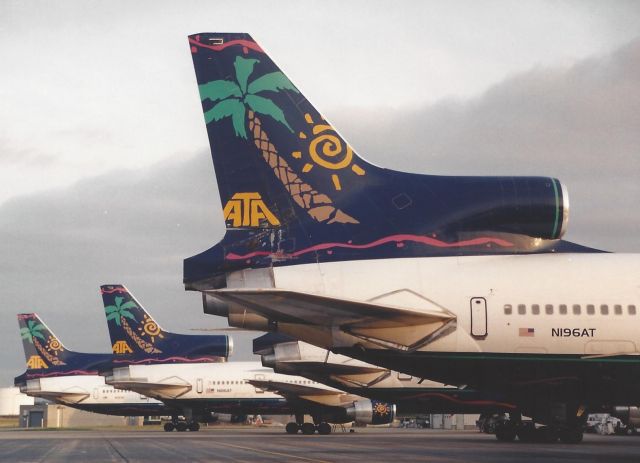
pixel 52 359
pixel 317 205
pixel 142 344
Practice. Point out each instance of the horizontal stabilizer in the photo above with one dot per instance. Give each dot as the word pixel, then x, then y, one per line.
pixel 351 375
pixel 390 326
pixel 63 397
pixel 158 390
pixel 330 397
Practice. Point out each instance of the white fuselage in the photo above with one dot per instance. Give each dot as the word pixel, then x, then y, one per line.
pixel 86 390
pixel 586 304
pixel 204 381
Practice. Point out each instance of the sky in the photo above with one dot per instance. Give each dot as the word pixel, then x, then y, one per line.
pixel 105 170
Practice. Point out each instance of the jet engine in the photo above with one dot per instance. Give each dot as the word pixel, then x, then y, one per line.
pixel 366 411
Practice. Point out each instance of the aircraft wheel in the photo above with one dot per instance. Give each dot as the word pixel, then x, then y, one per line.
pixel 292 428
pixel 168 427
pixel 571 435
pixel 505 432
pixel 194 426
pixel 324 428
pixel 547 435
pixel 527 433
pixel 181 426
pixel 308 428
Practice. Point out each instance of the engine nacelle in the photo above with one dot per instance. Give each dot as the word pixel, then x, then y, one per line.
pixel 366 411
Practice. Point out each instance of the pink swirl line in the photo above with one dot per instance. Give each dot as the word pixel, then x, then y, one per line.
pixel 63 373
pixel 397 238
pixel 118 289
pixel 181 359
pixel 245 43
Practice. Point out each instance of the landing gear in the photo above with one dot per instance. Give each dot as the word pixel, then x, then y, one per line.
pixel 324 428
pixel 292 428
pixel 308 428
pixel 526 431
pixel 506 431
pixel 571 435
pixel 169 427
pixel 181 426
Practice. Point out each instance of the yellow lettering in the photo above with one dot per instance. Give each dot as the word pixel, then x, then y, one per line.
pixel 247 210
pixel 35 362
pixel 121 347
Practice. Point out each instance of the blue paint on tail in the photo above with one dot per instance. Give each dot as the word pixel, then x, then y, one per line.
pixel 46 356
pixel 294 191
pixel 137 338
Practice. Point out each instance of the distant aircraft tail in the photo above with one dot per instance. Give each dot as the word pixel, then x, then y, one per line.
pixel 134 333
pixel 131 328
pixel 294 191
pixel 42 349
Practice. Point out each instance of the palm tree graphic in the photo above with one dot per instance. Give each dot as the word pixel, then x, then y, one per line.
pixel 241 101
pixel 31 333
pixel 119 314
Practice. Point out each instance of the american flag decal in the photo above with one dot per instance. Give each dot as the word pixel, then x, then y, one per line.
pixel 527 332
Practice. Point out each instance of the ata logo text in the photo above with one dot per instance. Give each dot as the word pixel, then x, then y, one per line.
pixel 248 210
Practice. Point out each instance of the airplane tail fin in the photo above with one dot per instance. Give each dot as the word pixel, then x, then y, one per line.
pixel 294 191
pixel 42 349
pixel 136 335
pixel 132 330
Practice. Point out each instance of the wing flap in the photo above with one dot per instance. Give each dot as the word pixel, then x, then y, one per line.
pixel 402 328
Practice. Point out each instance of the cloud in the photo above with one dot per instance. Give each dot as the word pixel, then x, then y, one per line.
pixel 580 124
pixel 130 227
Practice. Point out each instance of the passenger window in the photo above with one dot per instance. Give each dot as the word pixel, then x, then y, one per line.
pixel 604 309
pixel 508 309
pixel 576 309
pixel 522 309
pixel 591 309
pixel 617 309
pixel 632 310
pixel 535 309
pixel 548 309
pixel 562 308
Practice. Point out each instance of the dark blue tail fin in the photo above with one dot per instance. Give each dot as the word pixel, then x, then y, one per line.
pixel 294 191
pixel 42 349
pixel 47 356
pixel 136 335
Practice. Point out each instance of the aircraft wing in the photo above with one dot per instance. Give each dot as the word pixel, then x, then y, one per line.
pixel 157 390
pixel 63 397
pixel 386 325
pixel 323 396
pixel 352 375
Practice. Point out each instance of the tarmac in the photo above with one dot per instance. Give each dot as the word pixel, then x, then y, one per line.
pixel 273 445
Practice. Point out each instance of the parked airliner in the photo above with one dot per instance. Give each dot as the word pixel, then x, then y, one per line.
pixel 462 280
pixel 177 370
pixel 71 378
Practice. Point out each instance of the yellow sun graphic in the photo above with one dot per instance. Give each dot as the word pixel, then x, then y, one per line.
pixel 327 150
pixel 150 328
pixel 53 345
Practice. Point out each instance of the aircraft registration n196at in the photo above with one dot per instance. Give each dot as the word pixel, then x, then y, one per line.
pixel 72 378
pixel 461 280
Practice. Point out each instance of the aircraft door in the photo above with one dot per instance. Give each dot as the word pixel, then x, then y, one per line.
pixel 95 392
pixel 478 317
pixel 199 386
